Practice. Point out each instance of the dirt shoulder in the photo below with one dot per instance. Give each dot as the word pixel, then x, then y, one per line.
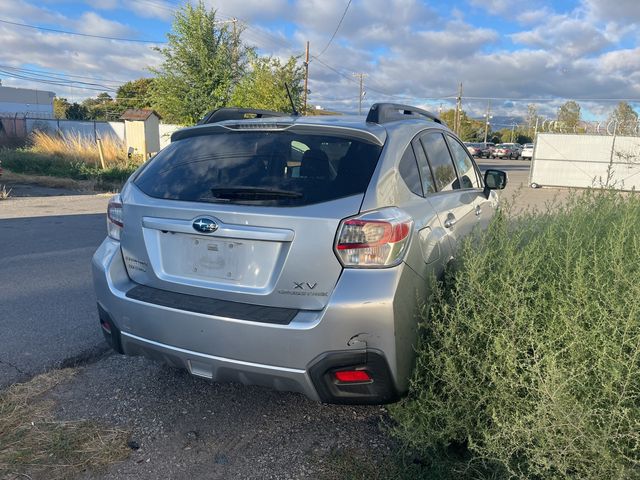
pixel 188 427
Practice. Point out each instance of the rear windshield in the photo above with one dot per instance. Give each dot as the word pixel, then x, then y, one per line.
pixel 260 168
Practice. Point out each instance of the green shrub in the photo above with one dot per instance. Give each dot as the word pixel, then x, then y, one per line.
pixel 530 353
pixel 29 162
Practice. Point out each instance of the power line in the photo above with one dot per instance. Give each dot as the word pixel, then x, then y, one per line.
pixel 336 30
pixel 59 82
pixel 79 34
pixel 62 76
pixel 542 100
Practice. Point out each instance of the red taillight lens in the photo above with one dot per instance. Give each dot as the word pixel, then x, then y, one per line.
pixel 114 217
pixel 374 240
pixel 353 376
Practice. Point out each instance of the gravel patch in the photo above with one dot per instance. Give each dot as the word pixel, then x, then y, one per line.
pixel 184 427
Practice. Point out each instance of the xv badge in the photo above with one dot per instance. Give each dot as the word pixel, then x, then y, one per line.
pixel 303 285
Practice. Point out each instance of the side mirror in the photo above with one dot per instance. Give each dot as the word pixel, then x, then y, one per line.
pixel 494 180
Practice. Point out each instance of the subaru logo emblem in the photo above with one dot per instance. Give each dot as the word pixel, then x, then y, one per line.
pixel 205 225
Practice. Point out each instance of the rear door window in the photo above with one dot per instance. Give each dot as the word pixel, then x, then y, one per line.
pixel 260 168
pixel 464 164
pixel 440 160
pixel 428 185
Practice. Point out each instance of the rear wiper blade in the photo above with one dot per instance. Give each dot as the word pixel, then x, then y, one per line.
pixel 253 192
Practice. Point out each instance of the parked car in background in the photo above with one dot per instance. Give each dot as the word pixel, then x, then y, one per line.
pixel 527 151
pixel 506 150
pixel 487 149
pixel 475 149
pixel 290 252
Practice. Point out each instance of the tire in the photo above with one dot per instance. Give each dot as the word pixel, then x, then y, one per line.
pixel 534 185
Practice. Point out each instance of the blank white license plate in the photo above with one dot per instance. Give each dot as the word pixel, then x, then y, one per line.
pixel 211 258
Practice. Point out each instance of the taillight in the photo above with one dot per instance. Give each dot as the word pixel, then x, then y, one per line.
pixel 374 240
pixel 114 217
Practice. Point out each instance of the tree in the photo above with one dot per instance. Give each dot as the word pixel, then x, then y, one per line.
pixel 625 119
pixel 533 120
pixel 470 130
pixel 134 94
pixel 202 62
pixel 98 108
pixel 77 112
pixel 569 115
pixel 264 85
pixel 60 106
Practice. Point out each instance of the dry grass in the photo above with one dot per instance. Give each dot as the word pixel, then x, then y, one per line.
pixel 79 148
pixel 47 181
pixel 4 193
pixel 33 444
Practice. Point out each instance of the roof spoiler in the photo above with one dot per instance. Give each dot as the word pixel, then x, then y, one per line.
pixel 222 114
pixel 392 112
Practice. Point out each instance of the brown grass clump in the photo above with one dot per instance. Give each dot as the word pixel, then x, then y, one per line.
pixel 79 148
pixel 4 193
pixel 33 444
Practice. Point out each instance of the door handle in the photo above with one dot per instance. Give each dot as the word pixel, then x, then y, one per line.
pixel 450 221
pixel 478 211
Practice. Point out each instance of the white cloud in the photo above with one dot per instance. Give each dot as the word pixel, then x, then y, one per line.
pixel 501 7
pixel 144 8
pixel 620 11
pixel 572 36
pixel 94 24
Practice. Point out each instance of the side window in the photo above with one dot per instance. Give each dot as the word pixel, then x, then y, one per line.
pixel 428 185
pixel 408 168
pixel 440 160
pixel 466 171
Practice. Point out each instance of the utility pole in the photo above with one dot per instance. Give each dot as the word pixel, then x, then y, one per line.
pixel 306 77
pixel 234 51
pixel 487 119
pixel 236 60
pixel 361 76
pixel 458 116
pixel 513 130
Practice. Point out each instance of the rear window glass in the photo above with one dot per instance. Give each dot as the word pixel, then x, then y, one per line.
pixel 260 168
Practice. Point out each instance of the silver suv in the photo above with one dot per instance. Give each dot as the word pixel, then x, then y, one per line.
pixel 291 252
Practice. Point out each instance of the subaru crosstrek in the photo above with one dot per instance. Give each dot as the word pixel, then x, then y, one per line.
pixel 291 252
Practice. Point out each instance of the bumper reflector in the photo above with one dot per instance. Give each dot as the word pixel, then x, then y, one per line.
pixel 105 326
pixel 352 376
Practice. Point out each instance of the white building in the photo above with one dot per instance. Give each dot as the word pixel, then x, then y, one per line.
pixel 26 102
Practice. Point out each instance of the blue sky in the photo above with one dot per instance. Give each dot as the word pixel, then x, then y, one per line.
pixel 509 52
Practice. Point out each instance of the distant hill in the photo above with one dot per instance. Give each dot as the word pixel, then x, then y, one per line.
pixel 503 121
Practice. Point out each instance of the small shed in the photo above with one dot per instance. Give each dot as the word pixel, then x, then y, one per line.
pixel 142 131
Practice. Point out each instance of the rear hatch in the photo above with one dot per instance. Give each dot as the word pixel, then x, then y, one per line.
pixel 245 215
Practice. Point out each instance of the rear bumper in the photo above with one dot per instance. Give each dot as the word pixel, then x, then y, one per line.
pixel 356 329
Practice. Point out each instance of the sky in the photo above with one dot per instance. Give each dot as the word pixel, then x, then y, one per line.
pixel 508 53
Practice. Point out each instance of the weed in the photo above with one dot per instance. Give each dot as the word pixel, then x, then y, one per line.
pixel 77 148
pixel 34 444
pixel 530 350
pixel 4 193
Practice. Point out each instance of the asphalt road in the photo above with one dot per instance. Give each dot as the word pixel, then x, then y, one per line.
pixel 47 306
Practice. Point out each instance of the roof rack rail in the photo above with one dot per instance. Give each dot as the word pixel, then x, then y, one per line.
pixel 392 112
pixel 222 114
